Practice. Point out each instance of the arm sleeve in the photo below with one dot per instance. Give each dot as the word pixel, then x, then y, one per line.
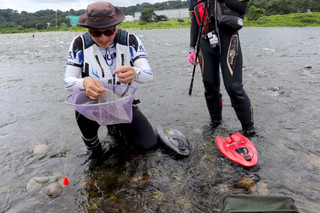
pixel 194 31
pixel 72 75
pixel 139 60
pixel 236 5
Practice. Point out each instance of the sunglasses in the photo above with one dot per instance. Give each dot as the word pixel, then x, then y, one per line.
pixel 97 33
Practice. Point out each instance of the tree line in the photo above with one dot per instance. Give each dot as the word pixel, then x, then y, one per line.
pixel 259 8
pixel 43 19
pixel 10 18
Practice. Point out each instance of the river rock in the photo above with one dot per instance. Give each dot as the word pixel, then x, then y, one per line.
pixel 41 149
pixel 313 161
pixel 53 190
pixel 316 132
pixel 246 182
pixel 37 182
pixel 260 188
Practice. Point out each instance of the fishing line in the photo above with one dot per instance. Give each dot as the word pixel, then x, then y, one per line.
pixel 65 159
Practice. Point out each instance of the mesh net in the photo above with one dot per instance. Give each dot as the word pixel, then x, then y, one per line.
pixel 114 106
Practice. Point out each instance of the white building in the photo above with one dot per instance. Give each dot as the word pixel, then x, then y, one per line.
pixel 174 13
pixel 128 18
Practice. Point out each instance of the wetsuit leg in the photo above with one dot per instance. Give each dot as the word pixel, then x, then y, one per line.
pixel 231 66
pixel 211 80
pixel 139 132
pixel 88 128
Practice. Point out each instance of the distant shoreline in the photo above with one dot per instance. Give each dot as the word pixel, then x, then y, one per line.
pixel 287 20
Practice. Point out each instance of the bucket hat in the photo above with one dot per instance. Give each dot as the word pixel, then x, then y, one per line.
pixel 101 15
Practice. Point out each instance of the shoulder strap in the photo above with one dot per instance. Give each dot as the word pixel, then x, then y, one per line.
pixel 122 37
pixel 87 40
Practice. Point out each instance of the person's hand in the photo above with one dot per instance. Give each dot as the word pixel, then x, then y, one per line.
pixel 192 58
pixel 93 88
pixel 125 74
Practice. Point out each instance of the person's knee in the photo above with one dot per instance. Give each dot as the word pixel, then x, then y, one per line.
pixel 236 92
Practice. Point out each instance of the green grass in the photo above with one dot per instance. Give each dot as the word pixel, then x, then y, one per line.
pixel 288 20
pixel 169 24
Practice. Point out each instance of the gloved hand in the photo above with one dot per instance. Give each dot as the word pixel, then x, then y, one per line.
pixel 192 57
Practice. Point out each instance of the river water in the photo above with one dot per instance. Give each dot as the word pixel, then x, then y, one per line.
pixel 284 92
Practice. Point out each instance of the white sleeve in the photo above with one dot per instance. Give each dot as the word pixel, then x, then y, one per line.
pixel 143 71
pixel 140 62
pixel 71 77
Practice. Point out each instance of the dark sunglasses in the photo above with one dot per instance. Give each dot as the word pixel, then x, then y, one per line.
pixel 97 33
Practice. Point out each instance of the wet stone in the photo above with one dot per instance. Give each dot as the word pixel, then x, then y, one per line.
pixel 53 190
pixel 316 132
pixel 37 182
pixel 246 182
pixel 41 149
pixel 157 195
pixel 260 188
pixel 313 161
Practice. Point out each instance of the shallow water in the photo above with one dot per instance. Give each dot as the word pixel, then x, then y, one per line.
pixel 284 95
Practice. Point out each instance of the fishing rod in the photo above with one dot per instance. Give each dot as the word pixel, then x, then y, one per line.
pixel 198 46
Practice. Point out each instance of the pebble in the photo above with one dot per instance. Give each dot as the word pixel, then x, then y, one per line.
pixel 41 149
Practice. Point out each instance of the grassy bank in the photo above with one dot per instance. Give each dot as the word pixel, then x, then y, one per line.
pixel 288 20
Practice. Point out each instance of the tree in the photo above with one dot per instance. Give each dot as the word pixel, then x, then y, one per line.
pixel 160 18
pixel 147 15
pixel 254 13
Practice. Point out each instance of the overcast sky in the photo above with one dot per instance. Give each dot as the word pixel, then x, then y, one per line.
pixel 63 5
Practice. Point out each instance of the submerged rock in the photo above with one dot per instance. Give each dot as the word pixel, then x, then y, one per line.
pixel 53 190
pixel 157 195
pixel 139 179
pixel 316 132
pixel 259 189
pixel 41 149
pixel 313 161
pixel 246 182
pixel 37 182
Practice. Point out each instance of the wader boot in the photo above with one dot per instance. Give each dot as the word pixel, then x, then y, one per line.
pixel 248 129
pixel 95 151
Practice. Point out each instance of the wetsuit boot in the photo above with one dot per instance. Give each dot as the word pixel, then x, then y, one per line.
pixel 248 129
pixel 95 151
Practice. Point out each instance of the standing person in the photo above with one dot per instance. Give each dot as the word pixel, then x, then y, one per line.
pixel 220 45
pixel 95 56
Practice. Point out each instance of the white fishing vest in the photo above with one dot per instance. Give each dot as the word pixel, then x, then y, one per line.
pixel 97 67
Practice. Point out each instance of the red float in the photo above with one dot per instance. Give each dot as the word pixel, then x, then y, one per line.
pixel 238 148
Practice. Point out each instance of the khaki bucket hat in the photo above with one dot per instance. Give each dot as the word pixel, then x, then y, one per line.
pixel 101 15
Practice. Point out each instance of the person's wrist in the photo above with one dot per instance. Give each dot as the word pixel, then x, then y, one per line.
pixel 192 50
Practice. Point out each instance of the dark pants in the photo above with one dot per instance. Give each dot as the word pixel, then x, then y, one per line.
pixel 138 133
pixel 230 60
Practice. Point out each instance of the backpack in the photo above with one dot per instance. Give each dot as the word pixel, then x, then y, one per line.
pixel 229 19
pixel 201 12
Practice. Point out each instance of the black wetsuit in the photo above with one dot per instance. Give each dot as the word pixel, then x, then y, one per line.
pixel 229 56
pixel 138 133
